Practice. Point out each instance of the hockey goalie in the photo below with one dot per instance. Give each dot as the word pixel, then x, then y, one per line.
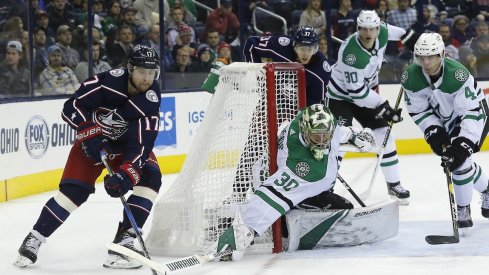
pixel 308 147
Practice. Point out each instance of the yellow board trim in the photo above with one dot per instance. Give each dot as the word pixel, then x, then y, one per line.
pixel 27 185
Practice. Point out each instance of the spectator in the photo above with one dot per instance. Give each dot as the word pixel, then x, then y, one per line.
pixel 203 62
pixel 177 22
pixel 56 78
pixel 40 51
pixel 461 31
pixel 14 78
pixel 42 20
pixel 99 66
pixel 314 17
pixel 182 61
pixel 427 24
pixel 451 45
pixel 444 19
pixel 114 16
pixel 382 9
pixel 480 30
pixel 187 4
pixel 404 16
pixel 467 58
pixel 59 14
pixel 213 40
pixel 117 52
pixel 153 38
pixel 345 21
pixel 185 39
pixel 188 17
pixel 481 52
pixel 224 21
pixel 70 56
pixel 224 53
pixel 145 8
pixel 129 18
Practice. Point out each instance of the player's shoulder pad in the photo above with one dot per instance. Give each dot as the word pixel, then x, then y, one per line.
pixel 353 54
pixel 455 75
pixel 413 79
pixel 383 34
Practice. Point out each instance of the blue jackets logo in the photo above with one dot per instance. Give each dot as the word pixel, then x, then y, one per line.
pixel 36 137
pixel 167 135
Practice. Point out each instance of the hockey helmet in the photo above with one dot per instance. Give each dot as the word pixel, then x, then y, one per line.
pixel 368 19
pixel 145 57
pixel 317 126
pixel 306 36
pixel 429 44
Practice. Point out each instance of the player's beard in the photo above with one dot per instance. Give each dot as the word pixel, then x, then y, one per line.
pixel 136 88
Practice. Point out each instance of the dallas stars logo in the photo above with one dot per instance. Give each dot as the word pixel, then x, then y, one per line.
pixel 461 75
pixel 350 59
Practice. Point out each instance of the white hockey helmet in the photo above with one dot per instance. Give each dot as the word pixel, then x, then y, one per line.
pixel 429 44
pixel 368 19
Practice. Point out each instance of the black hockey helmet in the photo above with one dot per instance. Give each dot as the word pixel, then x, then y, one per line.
pixel 306 36
pixel 144 57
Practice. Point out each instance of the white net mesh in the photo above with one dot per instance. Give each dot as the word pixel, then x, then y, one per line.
pixel 228 159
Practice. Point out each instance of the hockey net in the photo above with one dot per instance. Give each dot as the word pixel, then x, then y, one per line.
pixel 238 136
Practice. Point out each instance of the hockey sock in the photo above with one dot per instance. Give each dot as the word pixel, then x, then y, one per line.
pixel 140 208
pixel 462 181
pixel 480 179
pixel 52 216
pixel 390 167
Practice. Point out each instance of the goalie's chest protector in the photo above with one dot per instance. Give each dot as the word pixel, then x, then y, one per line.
pixel 297 157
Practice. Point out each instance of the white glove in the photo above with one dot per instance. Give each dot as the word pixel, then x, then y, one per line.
pixel 363 139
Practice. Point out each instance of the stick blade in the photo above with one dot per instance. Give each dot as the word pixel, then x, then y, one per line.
pixel 437 239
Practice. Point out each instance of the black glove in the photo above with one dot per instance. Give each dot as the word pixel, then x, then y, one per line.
pixel 385 111
pixel 123 180
pixel 437 138
pixel 91 138
pixel 456 153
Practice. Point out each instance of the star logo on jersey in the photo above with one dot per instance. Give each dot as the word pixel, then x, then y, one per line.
pixel 350 59
pixel 151 96
pixel 404 77
pixel 284 41
pixel 461 75
pixel 112 124
pixel 302 169
pixel 73 115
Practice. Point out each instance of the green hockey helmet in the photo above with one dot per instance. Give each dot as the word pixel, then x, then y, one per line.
pixel 317 126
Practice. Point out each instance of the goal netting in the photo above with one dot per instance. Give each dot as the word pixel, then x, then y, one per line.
pixel 233 152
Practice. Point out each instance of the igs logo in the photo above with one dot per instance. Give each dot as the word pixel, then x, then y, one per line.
pixel 36 137
pixel 168 128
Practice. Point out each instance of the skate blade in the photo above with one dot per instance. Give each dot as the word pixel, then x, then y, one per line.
pixel 22 262
pixel 401 201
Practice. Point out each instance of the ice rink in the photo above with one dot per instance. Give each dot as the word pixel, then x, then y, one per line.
pixel 78 247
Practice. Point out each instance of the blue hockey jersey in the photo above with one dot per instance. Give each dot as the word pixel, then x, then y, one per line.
pixel 130 122
pixel 280 49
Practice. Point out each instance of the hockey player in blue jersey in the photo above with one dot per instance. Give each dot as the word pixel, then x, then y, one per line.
pixel 116 111
pixel 301 48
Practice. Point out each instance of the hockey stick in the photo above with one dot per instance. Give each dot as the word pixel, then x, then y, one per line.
pixel 168 267
pixel 350 190
pixel 103 157
pixel 367 193
pixel 437 239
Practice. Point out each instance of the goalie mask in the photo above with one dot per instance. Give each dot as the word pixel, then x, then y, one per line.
pixel 317 127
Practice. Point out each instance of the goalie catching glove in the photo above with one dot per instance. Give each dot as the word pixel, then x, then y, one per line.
pixel 386 112
pixel 91 138
pixel 123 180
pixel 363 139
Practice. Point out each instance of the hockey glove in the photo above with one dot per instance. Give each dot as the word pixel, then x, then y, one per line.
pixel 363 139
pixel 437 138
pixel 385 111
pixel 91 138
pixel 457 153
pixel 123 180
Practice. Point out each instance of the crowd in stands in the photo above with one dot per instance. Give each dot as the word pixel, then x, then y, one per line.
pixel 195 37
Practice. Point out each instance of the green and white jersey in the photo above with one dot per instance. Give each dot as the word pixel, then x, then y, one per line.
pixel 455 99
pixel 354 77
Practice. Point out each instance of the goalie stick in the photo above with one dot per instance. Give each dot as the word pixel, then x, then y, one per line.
pixel 168 267
pixel 438 239
pixel 103 157
pixel 367 193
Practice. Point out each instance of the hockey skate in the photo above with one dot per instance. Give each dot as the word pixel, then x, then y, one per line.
pixel 118 261
pixel 398 192
pixel 485 204
pixel 29 249
pixel 237 237
pixel 464 218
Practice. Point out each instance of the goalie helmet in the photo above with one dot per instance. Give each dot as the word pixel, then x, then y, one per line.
pixel 317 127
pixel 368 19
